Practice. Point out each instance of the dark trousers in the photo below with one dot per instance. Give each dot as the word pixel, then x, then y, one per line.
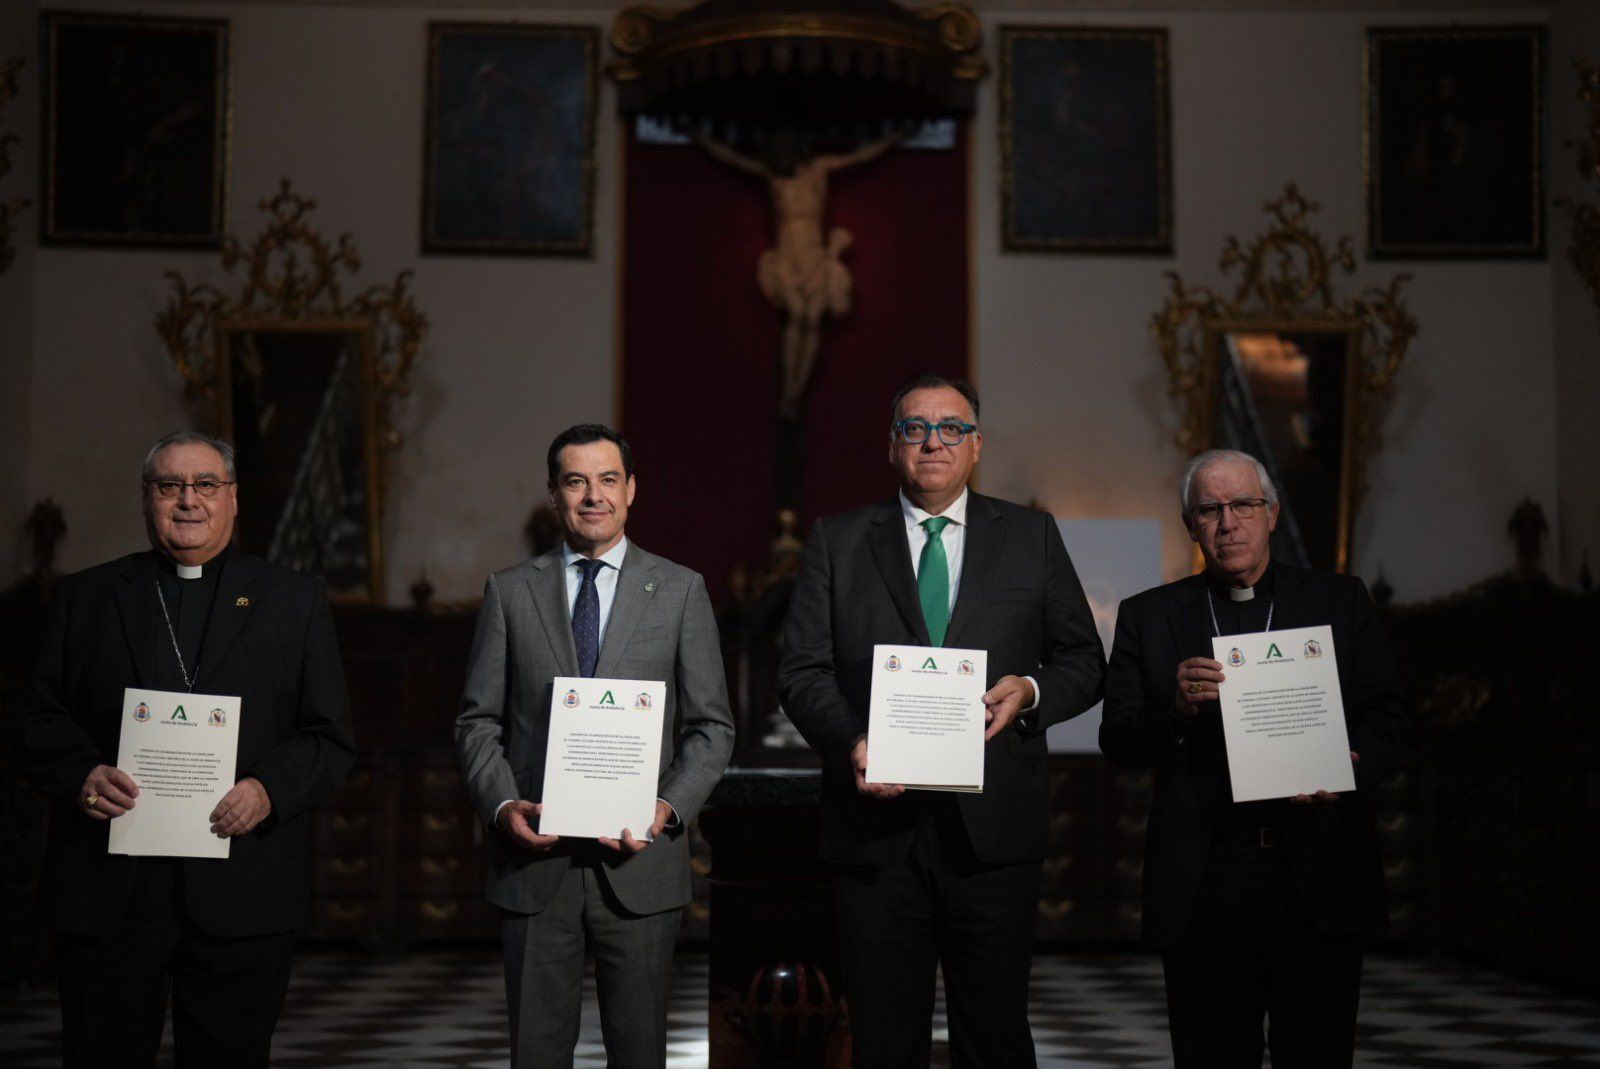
pixel 226 993
pixel 1251 953
pixel 938 906
pixel 544 955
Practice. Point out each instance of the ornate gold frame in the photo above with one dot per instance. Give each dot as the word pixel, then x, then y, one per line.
pixel 1584 253
pixel 10 210
pixel 292 282
pixel 1284 281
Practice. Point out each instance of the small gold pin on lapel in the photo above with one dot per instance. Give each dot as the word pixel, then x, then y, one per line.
pixel 651 585
pixel 243 602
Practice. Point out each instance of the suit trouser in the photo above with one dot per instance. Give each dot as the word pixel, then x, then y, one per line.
pixel 1251 952
pixel 939 905
pixel 544 955
pixel 226 993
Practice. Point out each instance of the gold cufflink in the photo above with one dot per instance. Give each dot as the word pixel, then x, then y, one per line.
pixel 243 603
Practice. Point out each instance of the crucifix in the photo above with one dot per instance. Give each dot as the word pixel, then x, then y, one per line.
pixel 803 275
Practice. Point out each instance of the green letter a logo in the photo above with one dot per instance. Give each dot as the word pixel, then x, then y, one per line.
pixel 607 699
pixel 929 664
pixel 179 714
pixel 1272 651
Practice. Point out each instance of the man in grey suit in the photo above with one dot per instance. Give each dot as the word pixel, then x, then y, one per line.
pixel 595 606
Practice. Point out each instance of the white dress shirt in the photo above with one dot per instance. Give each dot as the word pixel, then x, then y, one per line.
pixel 954 540
pixel 953 537
pixel 605 580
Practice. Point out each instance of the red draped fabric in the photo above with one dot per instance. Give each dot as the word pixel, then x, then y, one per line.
pixel 699 364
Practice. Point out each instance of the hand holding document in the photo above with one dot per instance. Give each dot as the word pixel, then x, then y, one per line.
pixel 603 759
pixel 1283 714
pixel 181 750
pixel 926 718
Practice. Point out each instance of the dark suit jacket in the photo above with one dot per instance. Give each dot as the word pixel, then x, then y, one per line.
pixel 1332 848
pixel 1019 599
pixel 278 653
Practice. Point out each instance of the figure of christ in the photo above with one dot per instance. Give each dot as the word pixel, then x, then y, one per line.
pixel 804 274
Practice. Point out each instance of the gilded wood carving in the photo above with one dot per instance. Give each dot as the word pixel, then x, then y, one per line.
pixel 306 379
pixel 1284 284
pixel 1584 253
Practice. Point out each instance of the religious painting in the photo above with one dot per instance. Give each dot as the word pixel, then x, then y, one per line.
pixel 1285 396
pixel 1085 140
pixel 509 159
pixel 1454 142
pixel 136 121
pixel 297 405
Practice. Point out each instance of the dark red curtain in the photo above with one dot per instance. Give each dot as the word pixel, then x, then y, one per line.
pixel 699 374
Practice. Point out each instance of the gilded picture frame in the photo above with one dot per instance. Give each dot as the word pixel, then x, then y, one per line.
pixel 1085 140
pixel 509 139
pixel 1273 399
pixel 1453 143
pixel 136 130
pixel 267 373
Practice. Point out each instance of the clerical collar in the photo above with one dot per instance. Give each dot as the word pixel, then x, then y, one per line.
pixel 1264 587
pixel 191 572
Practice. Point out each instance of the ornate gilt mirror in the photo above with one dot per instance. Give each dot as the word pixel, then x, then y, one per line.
pixel 1284 369
pixel 304 382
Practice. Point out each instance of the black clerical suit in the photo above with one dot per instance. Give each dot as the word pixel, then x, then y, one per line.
pixel 931 876
pixel 222 930
pixel 1259 908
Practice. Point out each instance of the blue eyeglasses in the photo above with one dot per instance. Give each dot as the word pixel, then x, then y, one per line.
pixel 916 431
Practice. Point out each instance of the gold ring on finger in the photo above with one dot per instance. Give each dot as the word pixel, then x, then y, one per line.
pixel 90 800
pixel 1196 687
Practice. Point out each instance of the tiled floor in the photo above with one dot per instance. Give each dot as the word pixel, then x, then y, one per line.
pixel 446 1009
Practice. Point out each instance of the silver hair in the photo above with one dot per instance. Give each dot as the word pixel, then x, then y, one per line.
pixel 188 438
pixel 1192 471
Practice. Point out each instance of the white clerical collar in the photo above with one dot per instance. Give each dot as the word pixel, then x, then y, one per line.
pixel 612 556
pixel 188 571
pixel 956 513
pixel 1241 593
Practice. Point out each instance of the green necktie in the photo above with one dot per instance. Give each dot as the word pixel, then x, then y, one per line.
pixel 933 580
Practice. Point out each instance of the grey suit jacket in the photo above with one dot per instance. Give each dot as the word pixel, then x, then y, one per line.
pixel 660 627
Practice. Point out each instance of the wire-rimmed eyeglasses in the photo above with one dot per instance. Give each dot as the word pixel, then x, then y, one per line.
pixel 175 487
pixel 1209 512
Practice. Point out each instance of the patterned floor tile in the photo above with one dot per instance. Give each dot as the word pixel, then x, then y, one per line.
pixel 1089 1011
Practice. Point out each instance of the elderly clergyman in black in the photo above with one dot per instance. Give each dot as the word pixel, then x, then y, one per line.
pixel 190 614
pixel 1260 909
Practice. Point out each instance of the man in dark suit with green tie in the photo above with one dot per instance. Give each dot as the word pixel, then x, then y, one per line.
pixel 928 878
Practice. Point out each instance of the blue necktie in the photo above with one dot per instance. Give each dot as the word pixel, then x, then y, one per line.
pixel 586 618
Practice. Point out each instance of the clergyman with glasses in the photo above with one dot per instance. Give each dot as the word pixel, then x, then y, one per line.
pixel 192 615
pixel 927 878
pixel 1260 909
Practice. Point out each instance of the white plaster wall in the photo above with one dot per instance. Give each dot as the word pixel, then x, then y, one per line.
pixel 517 347
pixel 1075 406
pixel 1075 391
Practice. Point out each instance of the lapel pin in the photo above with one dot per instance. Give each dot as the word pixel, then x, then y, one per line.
pixel 651 585
pixel 243 602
